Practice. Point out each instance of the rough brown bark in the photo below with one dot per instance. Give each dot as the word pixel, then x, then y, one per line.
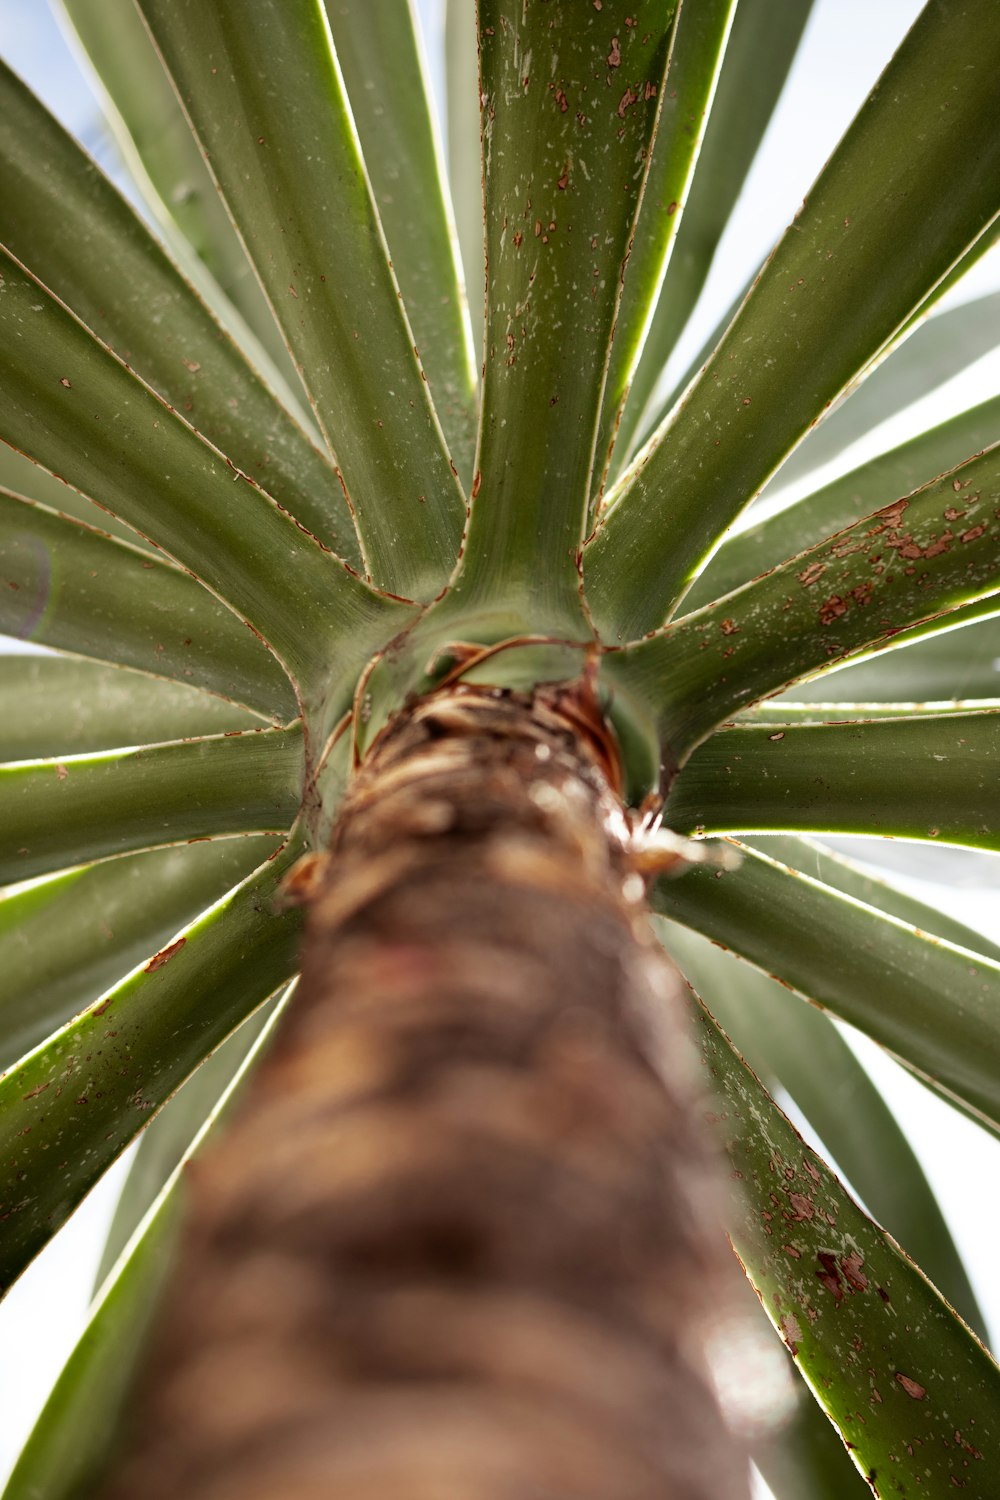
pixel 460 1244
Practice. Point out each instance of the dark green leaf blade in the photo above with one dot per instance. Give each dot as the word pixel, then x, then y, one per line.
pixel 832 868
pixel 696 47
pixel 95 1084
pixel 313 234
pixel 19 476
pixel 912 1391
pixel 68 585
pixel 759 53
pixel 909 564
pixel 157 142
pixel 961 663
pixel 52 705
pixel 168 1141
pixel 896 206
pixel 379 52
pixel 58 813
pixel 71 405
pixel 112 273
pixel 843 501
pixel 920 777
pixel 108 917
pixel 570 97
pixel 933 1005
pixel 945 345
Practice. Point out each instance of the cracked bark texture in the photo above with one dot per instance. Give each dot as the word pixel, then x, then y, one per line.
pixel 461 1243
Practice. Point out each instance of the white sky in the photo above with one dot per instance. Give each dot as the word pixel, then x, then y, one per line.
pixel 845 47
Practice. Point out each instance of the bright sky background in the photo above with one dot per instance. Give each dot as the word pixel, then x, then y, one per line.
pixel 845 47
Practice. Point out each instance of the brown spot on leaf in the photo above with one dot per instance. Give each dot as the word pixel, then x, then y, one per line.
pixel 164 956
pixel 851 1267
pixel 831 609
pixel 913 1390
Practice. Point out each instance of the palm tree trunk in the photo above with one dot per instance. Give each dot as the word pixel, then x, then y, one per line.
pixel 460 1244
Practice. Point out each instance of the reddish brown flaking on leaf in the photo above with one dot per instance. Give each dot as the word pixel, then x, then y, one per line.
pixel 34 1093
pixel 615 55
pixel 913 1390
pixel 829 1275
pixel 164 956
pixel 831 609
pixel 803 1208
pixel 809 575
pixel 791 1332
pixel 851 1267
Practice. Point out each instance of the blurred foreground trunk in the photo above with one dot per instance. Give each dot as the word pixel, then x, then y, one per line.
pixel 460 1243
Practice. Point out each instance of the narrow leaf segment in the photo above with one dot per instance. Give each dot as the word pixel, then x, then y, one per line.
pixel 76 409
pixel 163 156
pixel 911 561
pixel 933 1005
pixel 76 1430
pixel 379 52
pixel 58 813
pixel 801 1049
pixel 762 43
pixel 69 1108
pixel 696 47
pixel 67 584
pixel 961 663
pixel 108 917
pixel 912 1391
pixel 920 777
pixel 281 143
pixel 51 706
pixel 846 499
pixel 570 101
pixel 929 355
pixel 116 278
pixel 892 211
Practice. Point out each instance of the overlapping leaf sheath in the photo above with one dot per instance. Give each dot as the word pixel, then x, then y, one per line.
pixel 470 1213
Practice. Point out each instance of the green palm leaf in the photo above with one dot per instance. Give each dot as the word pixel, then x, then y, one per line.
pixel 880 227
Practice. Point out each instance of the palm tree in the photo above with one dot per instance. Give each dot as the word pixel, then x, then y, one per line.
pixel 448 688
